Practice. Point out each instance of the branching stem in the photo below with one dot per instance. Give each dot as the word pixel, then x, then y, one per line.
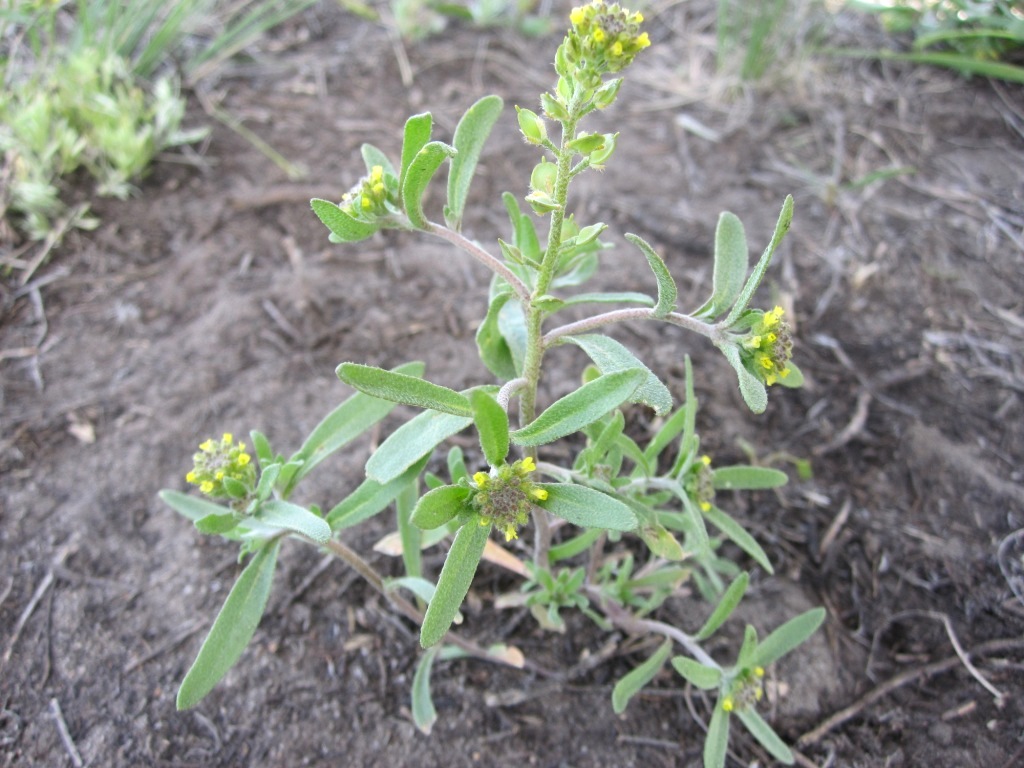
pixel 634 313
pixel 495 265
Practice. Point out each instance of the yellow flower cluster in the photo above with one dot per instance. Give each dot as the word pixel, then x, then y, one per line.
pixel 220 463
pixel 700 484
pixel 746 691
pixel 768 347
pixel 604 37
pixel 368 197
pixel 505 496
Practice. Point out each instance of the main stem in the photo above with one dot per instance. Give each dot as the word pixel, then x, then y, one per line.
pixel 535 318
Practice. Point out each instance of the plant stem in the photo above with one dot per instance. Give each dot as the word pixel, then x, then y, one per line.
pixel 634 313
pixel 624 619
pixel 495 265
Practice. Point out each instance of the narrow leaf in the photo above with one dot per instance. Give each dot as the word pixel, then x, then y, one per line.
pixel 233 628
pixel 610 356
pixel 292 517
pixel 716 742
pixel 412 441
pixel 635 680
pixel 781 228
pixel 492 424
pixel 580 408
pixel 454 581
pixel 725 606
pixel 738 534
pixel 415 137
pixel 763 732
pixel 788 636
pixel 191 507
pixel 731 260
pixel 512 326
pixel 494 350
pixel 400 388
pixel 753 390
pixel 213 525
pixel 470 135
pixel 586 507
pixel 345 423
pixel 435 508
pixel 745 478
pixel 373 156
pixel 705 678
pixel 622 297
pixel 342 225
pixel 667 291
pixel 372 497
pixel 423 713
pixel 420 172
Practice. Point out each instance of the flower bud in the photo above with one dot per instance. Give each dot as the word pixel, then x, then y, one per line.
pixel 600 156
pixel 531 126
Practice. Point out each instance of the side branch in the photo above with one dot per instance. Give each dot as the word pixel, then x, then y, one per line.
pixel 635 313
pixel 478 253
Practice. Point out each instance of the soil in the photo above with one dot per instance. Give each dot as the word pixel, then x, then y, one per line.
pixel 213 302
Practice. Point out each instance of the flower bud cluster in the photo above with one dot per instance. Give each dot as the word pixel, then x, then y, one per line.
pixel 747 689
pixel 222 469
pixel 505 497
pixel 604 38
pixel 369 197
pixel 700 483
pixel 768 347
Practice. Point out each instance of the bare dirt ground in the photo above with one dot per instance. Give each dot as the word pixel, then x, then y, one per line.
pixel 212 302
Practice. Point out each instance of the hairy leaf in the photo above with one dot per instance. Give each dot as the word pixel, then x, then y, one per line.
pixel 610 356
pixel 580 408
pixel 401 388
pixel 586 507
pixel 233 628
pixel 411 442
pixel 420 172
pixel 292 517
pixel 470 135
pixel 342 225
pixel 636 679
pixel 667 291
pixel 454 581
pixel 492 424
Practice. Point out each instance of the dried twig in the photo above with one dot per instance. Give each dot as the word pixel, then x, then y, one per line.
pixel 910 676
pixel 65 734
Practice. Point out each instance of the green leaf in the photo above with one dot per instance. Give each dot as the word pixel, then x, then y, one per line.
pixel 423 713
pixel 470 135
pixel 716 742
pixel 437 507
pixel 787 637
pixel 635 680
pixel 575 545
pixel 213 525
pixel 454 581
pixel 233 628
pixel 746 478
pixel 345 423
pixel 781 228
pixel 763 732
pixel 667 291
pixel 731 260
pixel 400 388
pixel 261 445
pixel 580 408
pixel 512 326
pixel 621 297
pixel 705 678
pixel 371 497
pixel 420 172
pixel 410 536
pixel 492 424
pixel 373 156
pixel 752 388
pixel 494 350
pixel 739 536
pixel 610 356
pixel 411 442
pixel 342 225
pixel 792 380
pixel 725 606
pixel 191 507
pixel 268 480
pixel 415 137
pixel 419 586
pixel 292 517
pixel 661 542
pixel 586 507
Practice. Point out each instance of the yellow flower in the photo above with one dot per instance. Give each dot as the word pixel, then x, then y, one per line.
pixel 481 478
pixel 539 493
pixel 727 704
pixel 527 464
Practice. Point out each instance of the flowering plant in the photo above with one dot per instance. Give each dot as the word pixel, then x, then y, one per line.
pixel 660 491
